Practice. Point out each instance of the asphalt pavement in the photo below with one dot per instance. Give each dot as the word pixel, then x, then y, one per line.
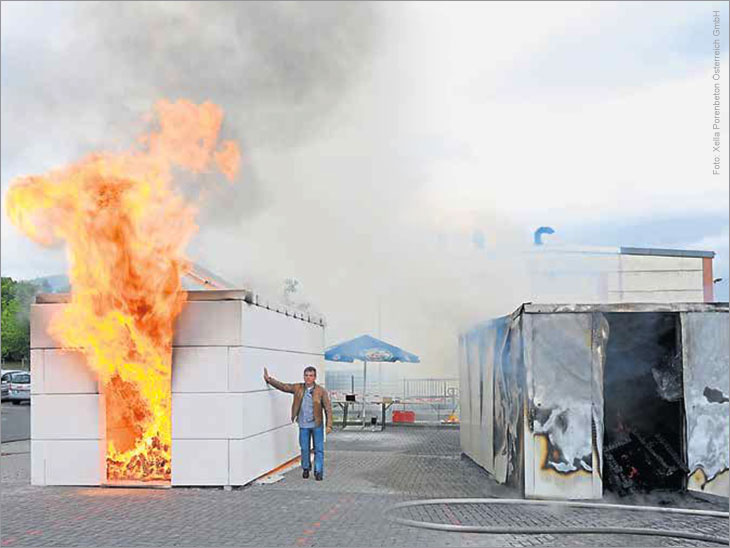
pixel 15 422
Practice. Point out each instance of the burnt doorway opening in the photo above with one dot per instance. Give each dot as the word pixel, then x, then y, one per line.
pixel 643 447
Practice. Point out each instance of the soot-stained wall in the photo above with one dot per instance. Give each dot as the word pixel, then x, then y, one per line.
pixel 532 391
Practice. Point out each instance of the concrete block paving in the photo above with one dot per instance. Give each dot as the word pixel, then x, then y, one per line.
pixel 365 473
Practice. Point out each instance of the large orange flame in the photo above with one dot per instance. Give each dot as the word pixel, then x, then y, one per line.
pixel 126 231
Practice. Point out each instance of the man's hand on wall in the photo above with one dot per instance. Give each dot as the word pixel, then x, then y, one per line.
pixel 266 375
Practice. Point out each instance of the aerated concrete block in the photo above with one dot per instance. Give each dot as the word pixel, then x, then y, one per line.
pixel 660 296
pixel 262 328
pixel 37 372
pixel 200 369
pixel 200 462
pixel 207 416
pixel 668 280
pixel 229 416
pixel 209 323
pixel 40 319
pixel 66 462
pixel 657 262
pixel 64 416
pixel 264 411
pixel 255 456
pixel 56 371
pixel 246 367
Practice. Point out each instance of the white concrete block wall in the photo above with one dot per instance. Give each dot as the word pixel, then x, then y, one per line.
pixel 246 367
pixel 575 275
pixel 64 415
pixel 228 427
pixel 688 280
pixel 200 462
pixel 65 462
pixel 219 394
pixel 200 369
pixel 56 371
pixel 262 328
pixel 40 319
pixel 655 278
pixel 271 449
pixel 209 323
pixel 264 411
pixel 659 297
pixel 658 262
pixel 207 416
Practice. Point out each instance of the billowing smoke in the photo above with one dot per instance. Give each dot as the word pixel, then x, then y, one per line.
pixel 334 189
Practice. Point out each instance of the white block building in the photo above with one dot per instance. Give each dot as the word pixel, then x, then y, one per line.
pixel 228 427
pixel 619 275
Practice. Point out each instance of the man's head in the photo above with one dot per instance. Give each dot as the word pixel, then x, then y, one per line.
pixel 310 375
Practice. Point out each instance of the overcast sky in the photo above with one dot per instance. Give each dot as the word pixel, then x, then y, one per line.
pixel 367 127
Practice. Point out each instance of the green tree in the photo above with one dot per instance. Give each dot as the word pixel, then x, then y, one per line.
pixel 15 298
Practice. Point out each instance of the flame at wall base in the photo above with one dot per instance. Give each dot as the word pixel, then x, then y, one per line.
pixel 125 229
pixel 138 435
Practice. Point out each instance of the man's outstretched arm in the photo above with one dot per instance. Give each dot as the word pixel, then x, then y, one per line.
pixel 284 387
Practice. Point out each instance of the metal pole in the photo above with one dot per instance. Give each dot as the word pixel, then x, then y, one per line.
pixel 379 311
pixel 380 365
pixel 380 379
pixel 364 388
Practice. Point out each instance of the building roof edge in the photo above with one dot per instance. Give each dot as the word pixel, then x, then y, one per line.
pixel 667 252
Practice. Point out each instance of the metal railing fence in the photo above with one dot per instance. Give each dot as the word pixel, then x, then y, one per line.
pixel 432 399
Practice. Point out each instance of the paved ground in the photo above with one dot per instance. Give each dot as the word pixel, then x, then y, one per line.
pixel 15 422
pixel 366 472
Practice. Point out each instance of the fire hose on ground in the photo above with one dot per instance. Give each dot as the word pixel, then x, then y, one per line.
pixel 560 530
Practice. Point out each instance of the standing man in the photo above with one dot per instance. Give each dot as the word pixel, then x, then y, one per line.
pixel 309 398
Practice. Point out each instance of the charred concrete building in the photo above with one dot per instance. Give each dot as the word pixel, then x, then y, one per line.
pixel 566 401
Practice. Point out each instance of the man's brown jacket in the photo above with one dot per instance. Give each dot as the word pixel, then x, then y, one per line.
pixel 320 398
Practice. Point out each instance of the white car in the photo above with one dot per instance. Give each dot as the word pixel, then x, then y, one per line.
pixel 15 386
pixel 4 380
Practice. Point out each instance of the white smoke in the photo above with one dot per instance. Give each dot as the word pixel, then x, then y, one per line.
pixel 396 156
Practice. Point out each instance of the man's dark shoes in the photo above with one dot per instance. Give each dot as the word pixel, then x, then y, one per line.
pixel 305 473
pixel 318 476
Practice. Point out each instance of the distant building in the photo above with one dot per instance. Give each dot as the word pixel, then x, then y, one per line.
pixel 620 274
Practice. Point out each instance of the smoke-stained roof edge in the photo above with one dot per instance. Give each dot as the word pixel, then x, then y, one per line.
pixel 529 308
pixel 245 295
pixel 666 252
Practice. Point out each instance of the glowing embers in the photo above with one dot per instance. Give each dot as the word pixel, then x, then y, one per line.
pixel 138 437
pixel 643 401
pixel 638 463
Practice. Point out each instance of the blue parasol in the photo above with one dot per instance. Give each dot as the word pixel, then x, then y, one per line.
pixel 367 349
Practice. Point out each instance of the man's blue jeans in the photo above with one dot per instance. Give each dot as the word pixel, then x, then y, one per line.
pixel 317 434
